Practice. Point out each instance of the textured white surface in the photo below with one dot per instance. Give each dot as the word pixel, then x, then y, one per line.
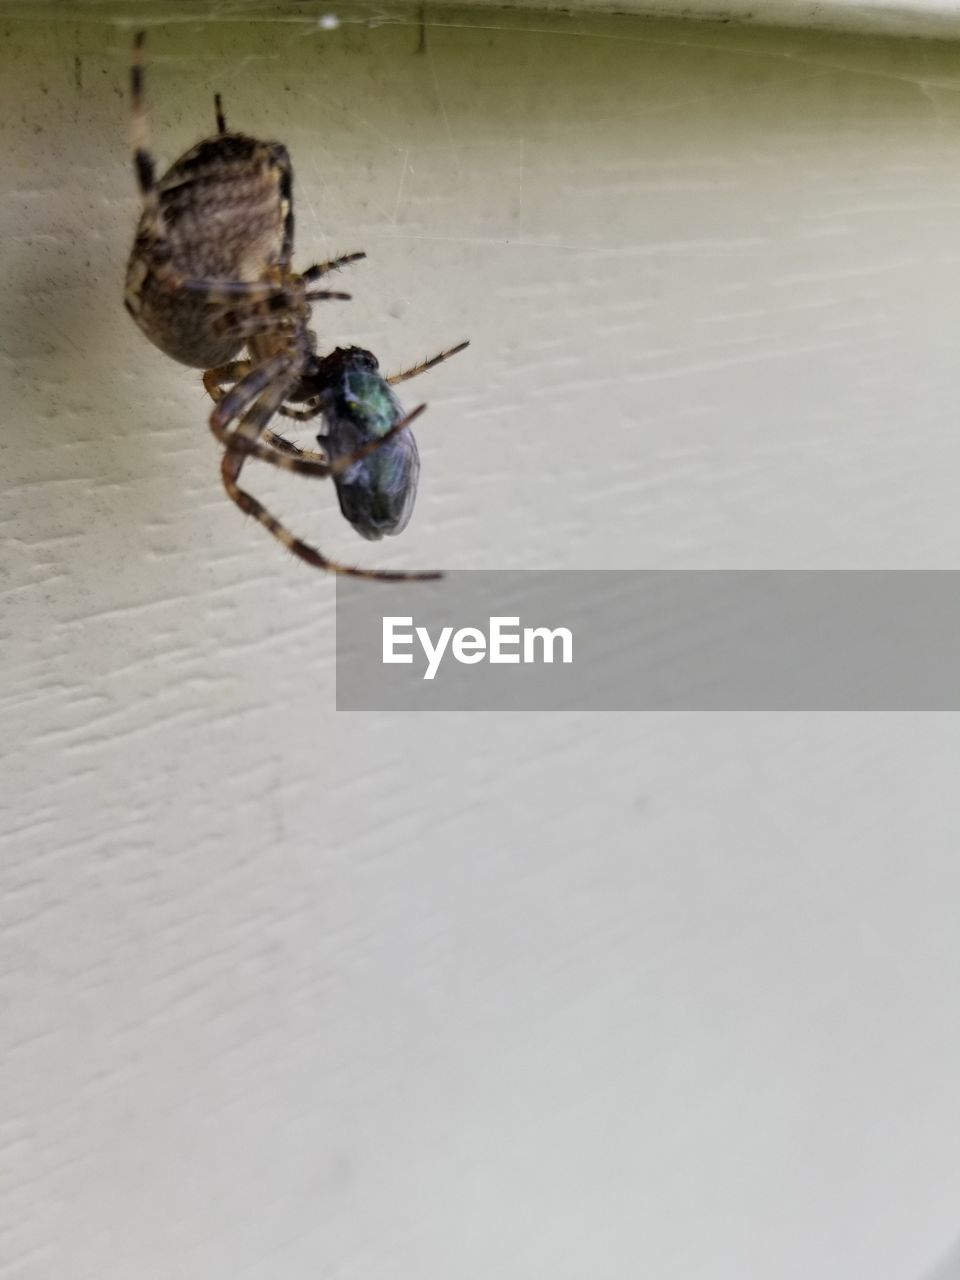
pixel 287 994
pixel 933 19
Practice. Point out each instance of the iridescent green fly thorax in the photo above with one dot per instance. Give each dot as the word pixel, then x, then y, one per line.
pixel 377 494
pixel 368 400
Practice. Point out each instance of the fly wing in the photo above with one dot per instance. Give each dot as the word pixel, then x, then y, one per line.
pixel 377 495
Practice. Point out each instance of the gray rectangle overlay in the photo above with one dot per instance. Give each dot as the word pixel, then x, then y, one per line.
pixel 649 640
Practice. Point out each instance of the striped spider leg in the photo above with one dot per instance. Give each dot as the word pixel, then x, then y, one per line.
pixel 239 421
pixel 368 450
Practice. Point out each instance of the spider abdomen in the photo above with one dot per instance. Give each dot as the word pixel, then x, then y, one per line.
pixel 222 213
pixel 223 207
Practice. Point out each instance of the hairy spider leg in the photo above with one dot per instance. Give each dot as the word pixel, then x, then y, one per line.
pixel 230 469
pixel 313 464
pixel 311 410
pixel 265 387
pixel 139 129
pixel 249 405
pixel 214 381
pixel 339 465
pixel 278 293
pixel 333 264
pixel 287 446
pixel 255 325
pixel 221 118
pixel 428 364
pixel 280 296
pixel 240 417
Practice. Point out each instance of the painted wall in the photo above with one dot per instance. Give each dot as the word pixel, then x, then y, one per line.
pixel 287 994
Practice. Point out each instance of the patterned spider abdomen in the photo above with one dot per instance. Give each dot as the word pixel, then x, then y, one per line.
pixel 376 494
pixel 221 213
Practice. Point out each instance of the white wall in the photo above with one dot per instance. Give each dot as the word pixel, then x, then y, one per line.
pixel 932 19
pixel 291 995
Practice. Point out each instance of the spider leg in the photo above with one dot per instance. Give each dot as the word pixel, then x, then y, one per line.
pixel 221 118
pixel 339 465
pixel 282 160
pixel 428 364
pixel 240 416
pixel 224 292
pixel 238 325
pixel 287 446
pixel 139 129
pixel 253 400
pixel 238 374
pixel 283 445
pixel 314 464
pixel 247 438
pixel 300 415
pixel 230 469
pixel 214 381
pixel 280 443
pixel 334 264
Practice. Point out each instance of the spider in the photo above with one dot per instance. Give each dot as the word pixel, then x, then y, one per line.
pixel 209 272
